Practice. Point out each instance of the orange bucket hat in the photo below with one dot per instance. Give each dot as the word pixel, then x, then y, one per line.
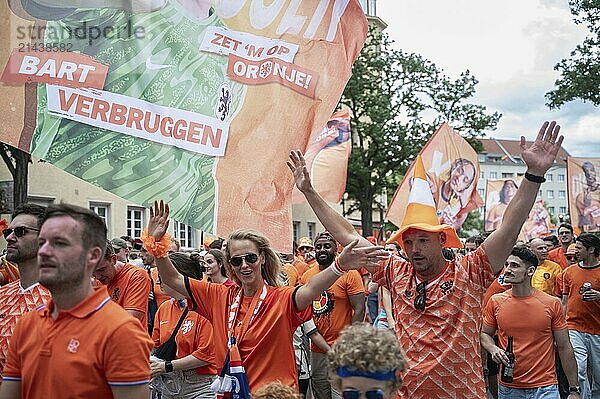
pixel 421 213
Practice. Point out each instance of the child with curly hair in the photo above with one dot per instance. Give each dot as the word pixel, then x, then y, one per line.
pixel 365 362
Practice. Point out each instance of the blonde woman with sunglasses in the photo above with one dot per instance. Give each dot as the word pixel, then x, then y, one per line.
pixel 256 319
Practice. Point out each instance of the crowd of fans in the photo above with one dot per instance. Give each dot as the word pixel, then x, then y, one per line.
pixel 83 316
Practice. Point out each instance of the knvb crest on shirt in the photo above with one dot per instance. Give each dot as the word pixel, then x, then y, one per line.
pixel 186 327
pixel 115 294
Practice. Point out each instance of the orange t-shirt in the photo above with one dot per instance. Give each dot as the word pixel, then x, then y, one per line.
pixel 14 302
pixel 83 352
pixel 266 349
pixel 557 255
pixel 291 273
pixel 158 294
pixel 497 286
pixel 193 338
pixel 582 316
pixel 300 265
pixel 442 342
pixel 332 310
pixel 533 339
pixel 130 288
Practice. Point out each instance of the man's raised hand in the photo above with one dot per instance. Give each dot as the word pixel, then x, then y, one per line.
pixel 159 220
pixel 540 156
pixel 297 165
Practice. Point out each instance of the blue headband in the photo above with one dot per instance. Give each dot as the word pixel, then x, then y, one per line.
pixel 378 375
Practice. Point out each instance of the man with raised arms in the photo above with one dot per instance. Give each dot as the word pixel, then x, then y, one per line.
pixel 438 302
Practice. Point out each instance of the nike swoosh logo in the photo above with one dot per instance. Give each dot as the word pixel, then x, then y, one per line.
pixel 153 67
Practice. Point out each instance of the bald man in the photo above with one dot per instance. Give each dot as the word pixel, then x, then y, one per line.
pixel 544 278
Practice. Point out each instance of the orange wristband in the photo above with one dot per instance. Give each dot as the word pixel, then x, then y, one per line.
pixel 158 249
pixel 338 266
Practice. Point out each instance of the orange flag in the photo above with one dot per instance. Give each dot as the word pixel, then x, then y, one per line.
pixel 452 170
pixel 584 194
pixel 327 158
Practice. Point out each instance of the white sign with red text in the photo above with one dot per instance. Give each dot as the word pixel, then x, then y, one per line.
pixel 225 41
pixel 170 126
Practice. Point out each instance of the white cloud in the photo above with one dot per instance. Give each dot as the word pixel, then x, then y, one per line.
pixel 511 47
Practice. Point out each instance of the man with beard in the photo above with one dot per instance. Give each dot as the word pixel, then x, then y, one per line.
pixel 588 202
pixel 342 304
pixel 534 337
pixel 565 238
pixel 80 343
pixel 23 295
pixel 438 302
pixel 127 285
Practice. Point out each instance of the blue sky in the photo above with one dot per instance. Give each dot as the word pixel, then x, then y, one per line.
pixel 511 47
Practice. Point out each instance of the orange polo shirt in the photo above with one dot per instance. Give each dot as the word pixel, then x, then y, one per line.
pixel 84 351
pixel 332 310
pixel 266 349
pixel 130 288
pixel 194 337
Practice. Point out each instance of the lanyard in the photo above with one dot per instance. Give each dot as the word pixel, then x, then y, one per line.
pixel 253 310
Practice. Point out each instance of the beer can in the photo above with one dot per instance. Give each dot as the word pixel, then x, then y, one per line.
pixel 587 287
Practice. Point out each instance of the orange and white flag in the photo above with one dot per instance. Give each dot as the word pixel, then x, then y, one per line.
pixel 451 170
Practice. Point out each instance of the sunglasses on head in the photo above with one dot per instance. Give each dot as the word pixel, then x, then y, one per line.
pixel 250 259
pixel 356 394
pixel 421 298
pixel 19 231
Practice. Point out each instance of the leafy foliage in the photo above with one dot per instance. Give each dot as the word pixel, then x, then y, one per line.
pixel 580 73
pixel 397 100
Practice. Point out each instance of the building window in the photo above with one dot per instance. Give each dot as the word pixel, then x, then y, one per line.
pixel 135 221
pixel 551 210
pixel 372 7
pixel 493 175
pixel 507 175
pixel 539 194
pixel 481 192
pixel 482 174
pixel 562 194
pixel 185 234
pixel 296 230
pixel 102 210
pixel 42 201
pixel 482 210
pixel 549 176
pixel 561 178
pixel 550 194
pixel 481 157
pixel 562 210
pixel 312 230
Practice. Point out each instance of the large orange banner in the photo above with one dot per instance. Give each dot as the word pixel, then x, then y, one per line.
pixel 194 102
pixel 584 193
pixel 327 158
pixel 452 172
pixel 498 195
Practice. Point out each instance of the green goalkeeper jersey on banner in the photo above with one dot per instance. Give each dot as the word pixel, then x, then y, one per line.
pixel 159 62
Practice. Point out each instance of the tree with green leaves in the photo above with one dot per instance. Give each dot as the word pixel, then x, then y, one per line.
pixel 397 100
pixel 580 73
pixel 17 161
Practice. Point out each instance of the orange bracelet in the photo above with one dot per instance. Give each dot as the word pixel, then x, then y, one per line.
pixel 158 249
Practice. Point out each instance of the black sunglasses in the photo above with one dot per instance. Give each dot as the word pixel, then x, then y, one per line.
pixel 19 231
pixel 356 394
pixel 421 298
pixel 250 259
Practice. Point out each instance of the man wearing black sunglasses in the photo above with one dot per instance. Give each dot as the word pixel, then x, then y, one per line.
pixel 25 294
pixel 438 302
pixel 565 238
